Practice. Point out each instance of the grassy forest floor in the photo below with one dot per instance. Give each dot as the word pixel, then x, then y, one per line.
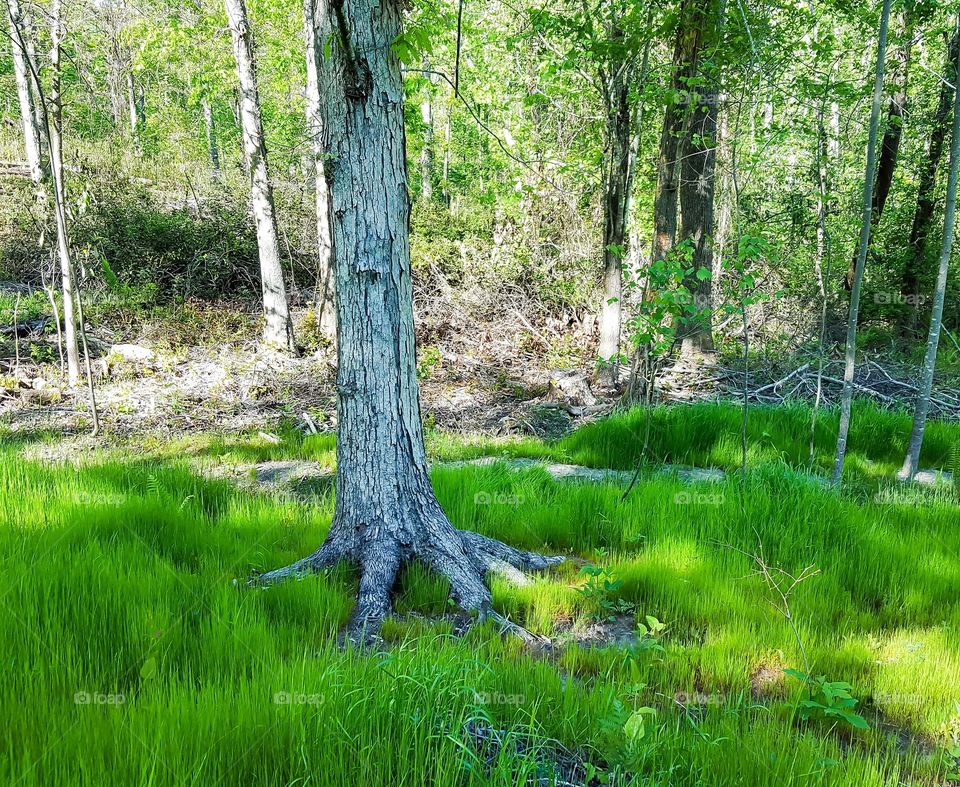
pixel 129 651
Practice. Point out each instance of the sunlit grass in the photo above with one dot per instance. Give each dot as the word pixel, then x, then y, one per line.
pixel 131 657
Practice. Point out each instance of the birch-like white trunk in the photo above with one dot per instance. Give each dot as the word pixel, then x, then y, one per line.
pixel 325 297
pixel 25 93
pixel 278 329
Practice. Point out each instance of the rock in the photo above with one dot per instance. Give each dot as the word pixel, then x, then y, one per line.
pixel 572 387
pixel 133 353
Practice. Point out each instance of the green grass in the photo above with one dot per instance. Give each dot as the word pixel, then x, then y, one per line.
pixel 117 588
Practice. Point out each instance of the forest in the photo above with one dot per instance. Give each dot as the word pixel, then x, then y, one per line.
pixel 479 392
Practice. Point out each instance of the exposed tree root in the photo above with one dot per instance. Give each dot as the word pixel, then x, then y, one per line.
pixel 463 557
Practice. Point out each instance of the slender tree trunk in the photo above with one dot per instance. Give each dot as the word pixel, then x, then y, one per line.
pixel 55 145
pixel 25 96
pixel 386 512
pixel 912 458
pixel 846 401
pixel 325 291
pixel 132 103
pixel 278 329
pixel 890 147
pixel 615 203
pixel 926 198
pixel 426 152
pixel 213 149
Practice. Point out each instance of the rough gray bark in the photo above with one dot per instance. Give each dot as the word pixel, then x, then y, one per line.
pixel 325 295
pixel 697 187
pixel 25 96
pixel 386 512
pixel 912 458
pixel 685 53
pixel 277 329
pixel 213 148
pixel 846 401
pixel 696 207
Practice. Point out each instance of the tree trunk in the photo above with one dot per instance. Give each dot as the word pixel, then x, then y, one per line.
pixel 912 458
pixel 890 147
pixel 615 202
pixel 697 186
pixel 426 152
pixel 55 145
pixel 132 103
pixel 685 54
pixel 213 149
pixel 923 216
pixel 696 206
pixel 277 330
pixel 25 96
pixel 325 291
pixel 846 401
pixel 386 512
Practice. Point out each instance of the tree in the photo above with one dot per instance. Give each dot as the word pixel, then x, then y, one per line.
pixel 426 152
pixel 846 400
pixel 890 147
pixel 22 69
pixel 327 316
pixel 923 215
pixel 616 78
pixel 278 329
pixel 48 127
pixel 386 511
pixel 912 457
pixel 698 182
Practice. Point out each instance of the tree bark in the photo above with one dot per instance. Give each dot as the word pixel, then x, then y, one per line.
pixel 615 203
pixel 696 206
pixel 914 267
pixel 912 459
pixel 132 103
pixel 890 147
pixel 278 329
pixel 685 55
pixel 386 512
pixel 25 96
pixel 426 152
pixel 846 401
pixel 213 148
pixel 697 187
pixel 325 292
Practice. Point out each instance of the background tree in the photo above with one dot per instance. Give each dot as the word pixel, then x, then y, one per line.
pixel 278 329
